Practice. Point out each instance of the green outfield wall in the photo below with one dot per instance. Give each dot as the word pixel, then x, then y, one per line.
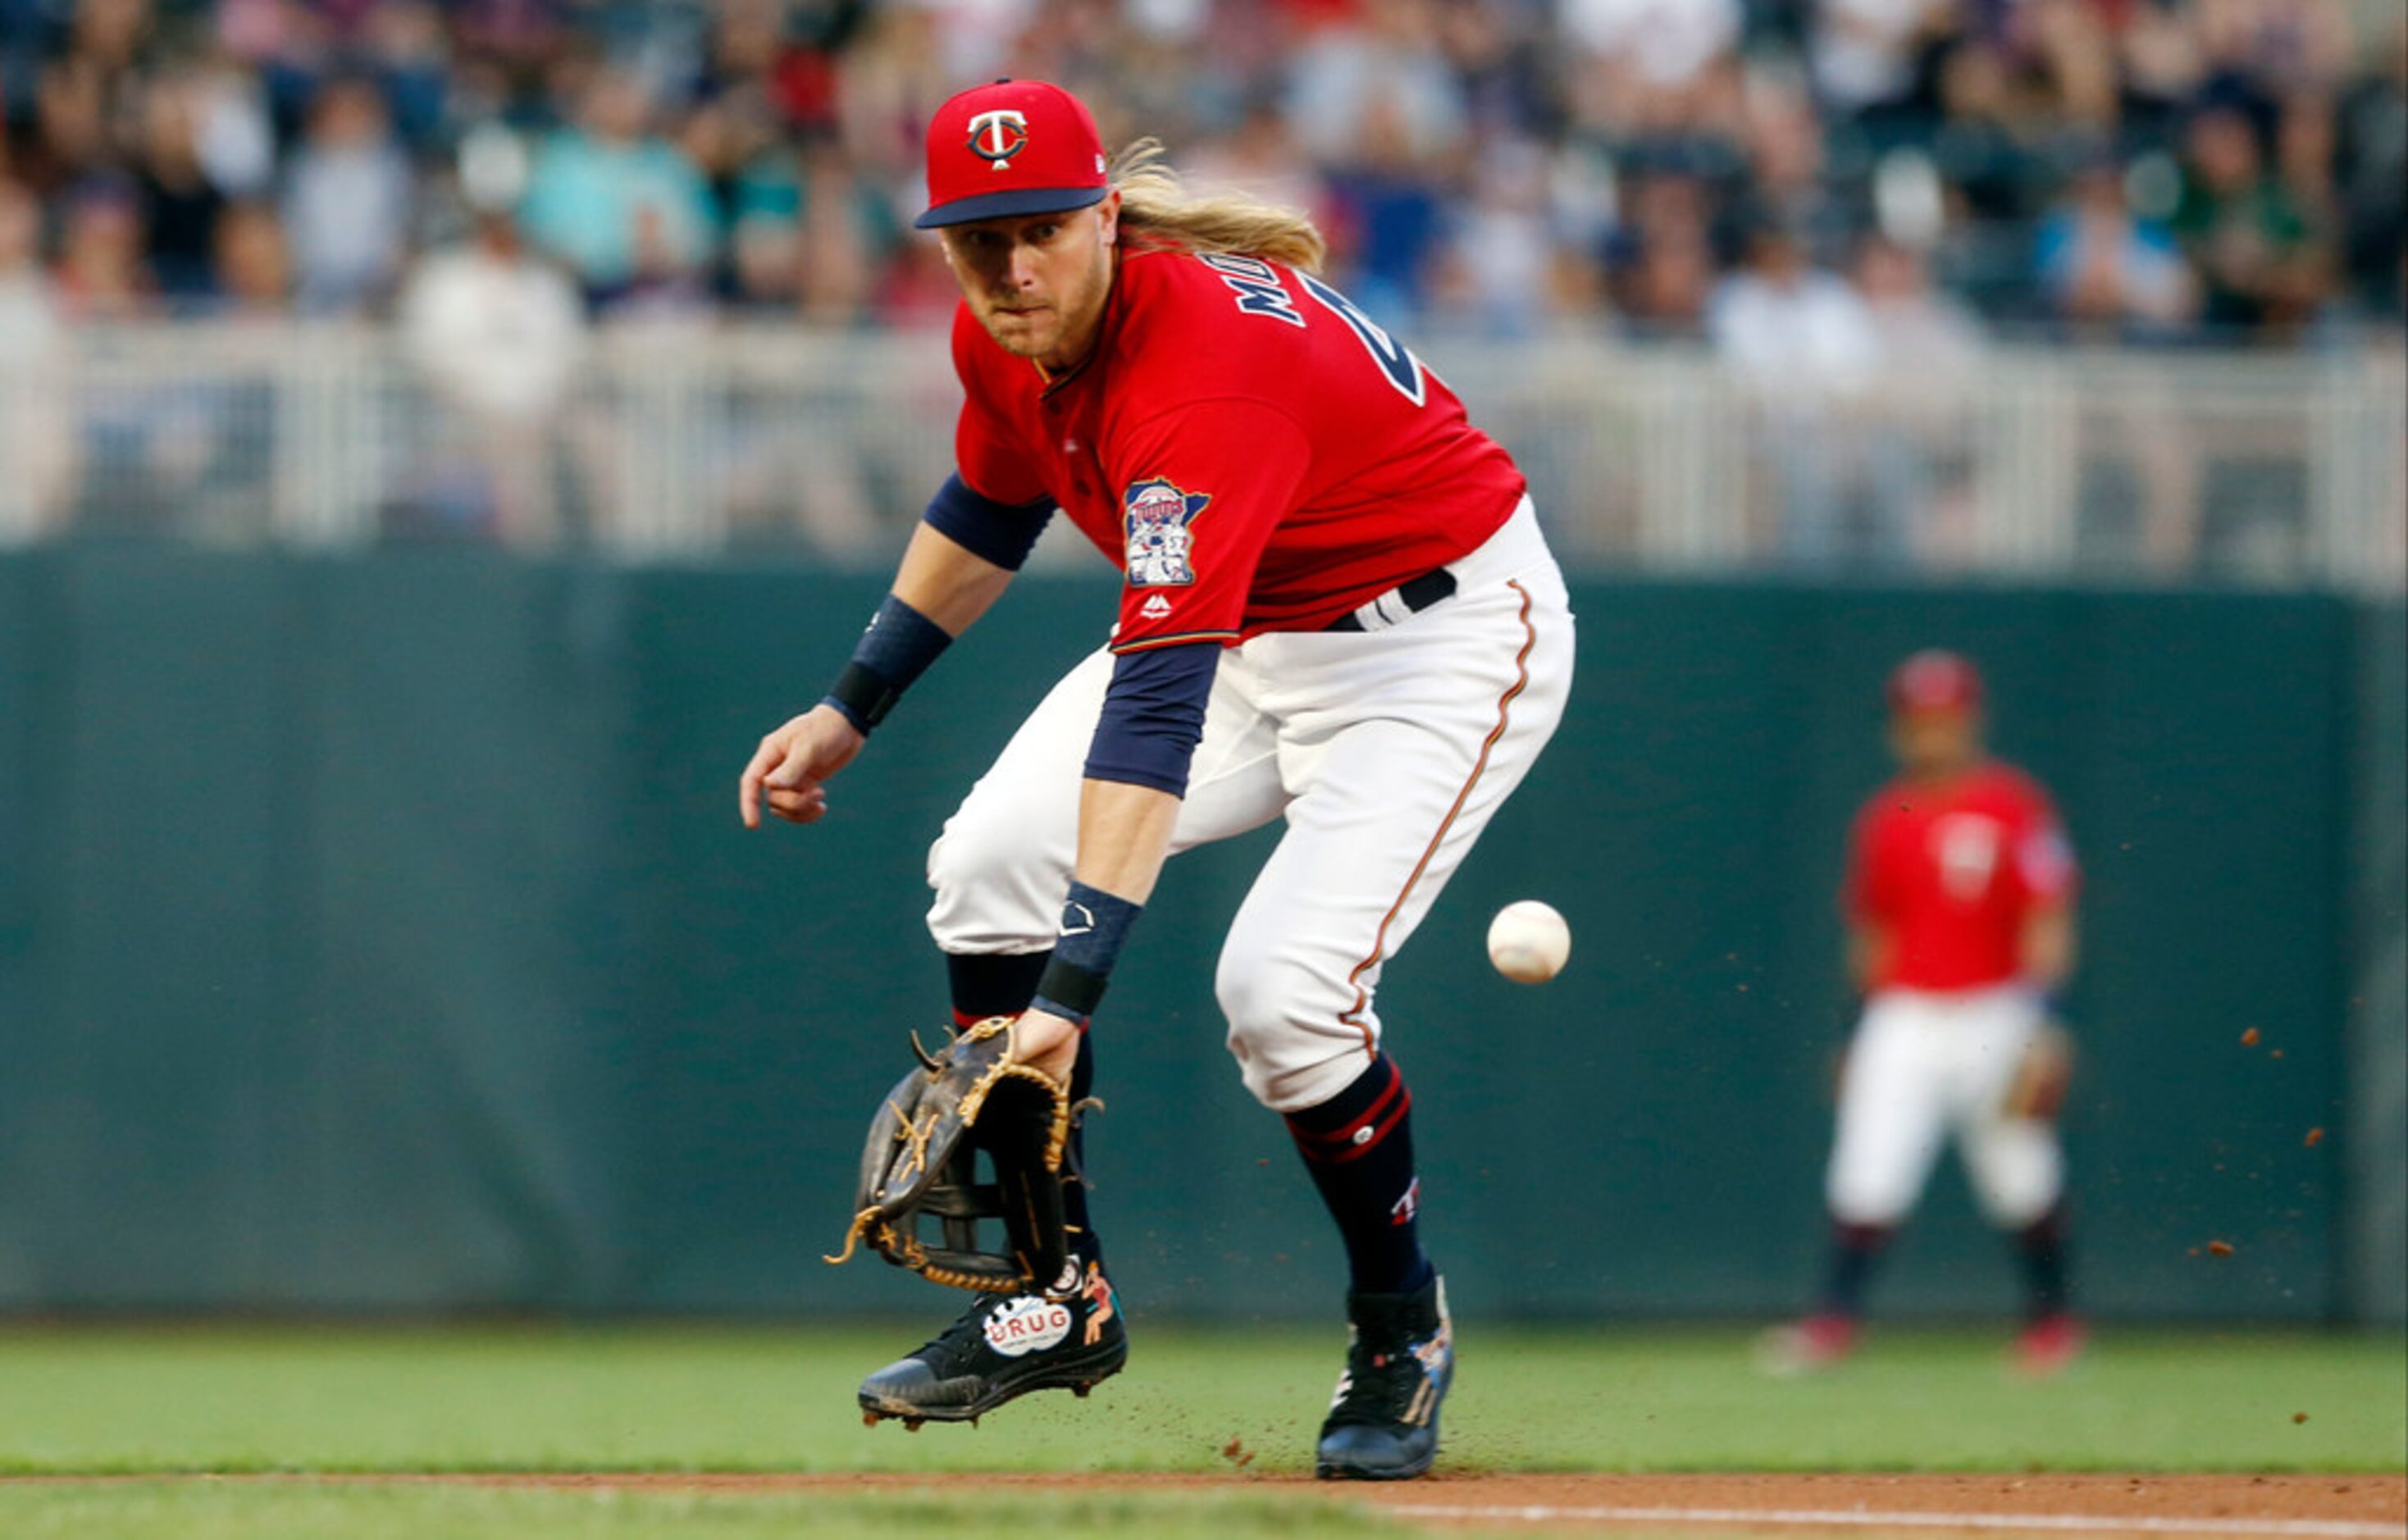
pixel 2377 1179
pixel 378 934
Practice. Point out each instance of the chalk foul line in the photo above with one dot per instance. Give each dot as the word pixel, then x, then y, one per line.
pixel 2292 1529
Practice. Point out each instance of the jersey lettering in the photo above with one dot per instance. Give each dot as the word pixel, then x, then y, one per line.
pixel 1404 371
pixel 1258 288
pixel 1967 846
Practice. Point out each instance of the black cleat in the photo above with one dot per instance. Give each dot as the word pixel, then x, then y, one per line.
pixel 1382 1423
pixel 1005 1346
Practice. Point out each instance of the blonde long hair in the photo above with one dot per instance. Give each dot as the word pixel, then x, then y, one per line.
pixel 1158 211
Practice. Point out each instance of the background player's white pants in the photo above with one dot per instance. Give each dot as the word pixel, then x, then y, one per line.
pixel 1925 1064
pixel 1386 751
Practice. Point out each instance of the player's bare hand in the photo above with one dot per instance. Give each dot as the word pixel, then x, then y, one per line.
pixel 1047 1041
pixel 788 772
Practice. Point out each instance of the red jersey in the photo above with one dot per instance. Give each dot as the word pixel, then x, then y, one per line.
pixel 1252 451
pixel 1952 874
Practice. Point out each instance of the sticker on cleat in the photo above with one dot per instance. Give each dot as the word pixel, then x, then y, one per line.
pixel 1027 1325
pixel 1099 1295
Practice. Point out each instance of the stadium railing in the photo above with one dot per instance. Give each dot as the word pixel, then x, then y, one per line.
pixel 674 441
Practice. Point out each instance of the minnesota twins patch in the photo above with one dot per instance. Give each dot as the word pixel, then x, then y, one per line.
pixel 1157 514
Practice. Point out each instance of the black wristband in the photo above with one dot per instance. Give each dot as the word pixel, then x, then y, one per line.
pixel 1068 990
pixel 862 695
pixel 896 649
pixel 1093 925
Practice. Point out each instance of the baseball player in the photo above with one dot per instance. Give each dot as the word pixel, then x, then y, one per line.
pixel 1336 611
pixel 1959 909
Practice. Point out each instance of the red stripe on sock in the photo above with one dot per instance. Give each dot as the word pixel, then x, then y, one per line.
pixel 1379 1134
pixel 1343 1136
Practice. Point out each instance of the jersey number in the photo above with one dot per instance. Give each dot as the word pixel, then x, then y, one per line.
pixel 1396 361
pixel 1260 293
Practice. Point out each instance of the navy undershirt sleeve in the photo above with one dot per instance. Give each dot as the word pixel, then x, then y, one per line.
pixel 1153 716
pixel 1002 532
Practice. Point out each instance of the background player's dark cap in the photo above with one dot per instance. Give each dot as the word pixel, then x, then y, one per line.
pixel 1935 681
pixel 1012 147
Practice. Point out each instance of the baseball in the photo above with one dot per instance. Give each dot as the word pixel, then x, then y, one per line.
pixel 1528 941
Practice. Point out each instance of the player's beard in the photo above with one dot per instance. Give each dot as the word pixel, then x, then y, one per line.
pixel 1061 331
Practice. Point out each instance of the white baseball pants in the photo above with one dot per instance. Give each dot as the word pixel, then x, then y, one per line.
pixel 1385 750
pixel 1923 1065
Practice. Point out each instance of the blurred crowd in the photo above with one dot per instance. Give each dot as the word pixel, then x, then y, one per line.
pixel 1846 201
pixel 2153 170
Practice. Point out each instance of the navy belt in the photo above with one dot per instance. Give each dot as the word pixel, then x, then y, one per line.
pixel 1410 597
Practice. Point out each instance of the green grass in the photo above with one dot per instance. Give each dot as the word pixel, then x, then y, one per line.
pixel 147 1403
pixel 165 1511
pixel 1608 1399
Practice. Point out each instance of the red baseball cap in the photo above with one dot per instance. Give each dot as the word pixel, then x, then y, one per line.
pixel 1935 681
pixel 1012 147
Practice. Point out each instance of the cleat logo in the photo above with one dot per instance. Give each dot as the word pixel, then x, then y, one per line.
pixel 1439 1351
pixel 1027 1325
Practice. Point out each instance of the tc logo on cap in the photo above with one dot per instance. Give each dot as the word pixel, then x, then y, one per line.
pixel 1040 132
pixel 999 134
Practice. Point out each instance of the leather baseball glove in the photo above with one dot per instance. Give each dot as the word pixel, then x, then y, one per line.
pixel 2046 1069
pixel 921 1159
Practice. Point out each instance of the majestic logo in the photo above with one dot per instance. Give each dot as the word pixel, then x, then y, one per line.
pixel 998 134
pixel 1027 1325
pixel 1156 514
pixel 1155 608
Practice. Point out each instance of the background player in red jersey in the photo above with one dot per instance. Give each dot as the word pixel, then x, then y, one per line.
pixel 1336 611
pixel 1959 907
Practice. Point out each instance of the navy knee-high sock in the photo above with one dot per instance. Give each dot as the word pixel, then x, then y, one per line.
pixel 1359 1147
pixel 2040 1247
pixel 1854 1249
pixel 988 984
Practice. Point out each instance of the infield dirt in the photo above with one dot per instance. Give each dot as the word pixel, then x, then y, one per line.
pixel 2326 1506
